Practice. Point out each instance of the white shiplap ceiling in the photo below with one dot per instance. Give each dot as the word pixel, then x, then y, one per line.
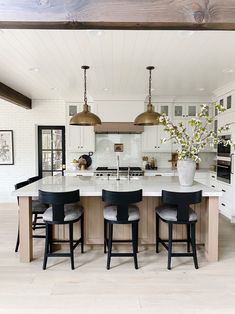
pixel 187 63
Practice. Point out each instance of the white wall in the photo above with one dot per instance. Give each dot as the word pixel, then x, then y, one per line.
pixel 24 125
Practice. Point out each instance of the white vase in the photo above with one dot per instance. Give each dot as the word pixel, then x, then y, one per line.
pixel 186 170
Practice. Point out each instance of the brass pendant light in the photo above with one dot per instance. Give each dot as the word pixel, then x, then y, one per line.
pixel 85 117
pixel 149 117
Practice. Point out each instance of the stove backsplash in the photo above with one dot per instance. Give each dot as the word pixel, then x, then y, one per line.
pixel 105 155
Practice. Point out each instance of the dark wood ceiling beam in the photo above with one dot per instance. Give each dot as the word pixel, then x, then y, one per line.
pixel 118 14
pixel 11 95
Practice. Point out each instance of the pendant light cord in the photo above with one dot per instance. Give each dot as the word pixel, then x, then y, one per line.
pixel 150 80
pixel 85 96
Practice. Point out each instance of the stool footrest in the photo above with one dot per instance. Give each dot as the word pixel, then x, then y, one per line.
pixel 122 254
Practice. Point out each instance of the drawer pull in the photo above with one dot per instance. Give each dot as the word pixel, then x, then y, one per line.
pixel 223 190
pixel 158 175
pixel 213 186
pixel 213 176
pixel 223 204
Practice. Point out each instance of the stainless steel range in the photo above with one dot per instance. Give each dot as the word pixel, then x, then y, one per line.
pixel 123 171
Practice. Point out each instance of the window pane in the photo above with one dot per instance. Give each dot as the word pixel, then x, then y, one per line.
pixel 46 160
pixel 46 174
pixel 46 139
pixel 57 160
pixel 57 139
pixel 58 174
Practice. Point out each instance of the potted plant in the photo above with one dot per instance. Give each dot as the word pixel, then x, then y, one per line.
pixel 193 142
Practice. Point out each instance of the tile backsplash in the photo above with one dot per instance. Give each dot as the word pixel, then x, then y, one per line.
pixel 131 155
pixel 105 155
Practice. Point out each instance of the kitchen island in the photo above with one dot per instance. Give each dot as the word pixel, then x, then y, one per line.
pixel 91 191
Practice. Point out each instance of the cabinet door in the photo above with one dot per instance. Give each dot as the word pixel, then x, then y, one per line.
pixel 149 139
pixel 87 143
pixel 191 111
pixel 178 111
pixel 79 138
pixel 164 147
pixel 165 108
pixel 73 137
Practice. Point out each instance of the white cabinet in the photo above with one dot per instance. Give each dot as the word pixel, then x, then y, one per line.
pixel 152 135
pixel 226 201
pixel 185 111
pixel 79 138
pixel 151 139
pixel 227 101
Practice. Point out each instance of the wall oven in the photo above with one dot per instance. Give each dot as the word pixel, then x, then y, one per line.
pixel 224 170
pixel 224 151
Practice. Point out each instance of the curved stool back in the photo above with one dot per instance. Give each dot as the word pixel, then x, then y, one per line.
pixel 121 211
pixel 64 210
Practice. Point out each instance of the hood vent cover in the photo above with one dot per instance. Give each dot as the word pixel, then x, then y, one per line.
pixel 118 127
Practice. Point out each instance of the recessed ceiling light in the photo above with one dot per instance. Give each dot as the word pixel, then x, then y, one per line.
pixel 34 69
pixel 106 89
pixel 228 70
pixel 200 89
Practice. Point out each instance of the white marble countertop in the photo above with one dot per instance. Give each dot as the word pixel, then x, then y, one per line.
pixel 92 186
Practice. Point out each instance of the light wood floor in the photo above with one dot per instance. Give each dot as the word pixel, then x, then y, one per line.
pixel 90 288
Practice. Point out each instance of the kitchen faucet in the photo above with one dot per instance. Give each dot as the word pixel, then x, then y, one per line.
pixel 118 174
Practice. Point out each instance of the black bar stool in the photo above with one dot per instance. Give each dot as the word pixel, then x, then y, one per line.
pixel 120 211
pixel 176 210
pixel 64 210
pixel 37 208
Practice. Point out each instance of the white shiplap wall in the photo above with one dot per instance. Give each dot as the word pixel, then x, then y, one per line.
pixel 24 125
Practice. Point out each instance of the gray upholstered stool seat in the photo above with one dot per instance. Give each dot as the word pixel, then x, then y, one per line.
pixel 169 213
pixel 110 213
pixel 71 211
pixel 38 208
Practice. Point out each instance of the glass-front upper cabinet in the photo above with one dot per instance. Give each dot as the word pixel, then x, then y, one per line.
pixel 163 108
pixel 185 111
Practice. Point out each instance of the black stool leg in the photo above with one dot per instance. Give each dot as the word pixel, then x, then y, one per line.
pixel 137 237
pixel 17 241
pixel 193 237
pixel 46 247
pixel 134 243
pixel 105 236
pixel 71 244
pixel 82 233
pixel 188 237
pixel 157 233
pixel 50 238
pixel 35 221
pixel 169 245
pixel 110 241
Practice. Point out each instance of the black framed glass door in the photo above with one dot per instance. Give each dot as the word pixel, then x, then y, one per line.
pixel 51 150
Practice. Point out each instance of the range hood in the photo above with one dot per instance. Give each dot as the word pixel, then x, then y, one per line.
pixel 118 127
